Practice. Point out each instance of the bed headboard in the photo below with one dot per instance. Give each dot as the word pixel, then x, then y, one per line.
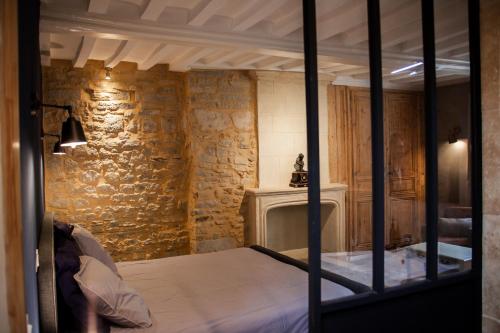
pixel 47 295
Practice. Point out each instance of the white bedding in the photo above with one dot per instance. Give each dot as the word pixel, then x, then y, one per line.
pixel 239 290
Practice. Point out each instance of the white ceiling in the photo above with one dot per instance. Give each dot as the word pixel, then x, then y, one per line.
pixel 252 34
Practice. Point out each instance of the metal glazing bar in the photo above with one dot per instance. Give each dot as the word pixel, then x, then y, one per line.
pixel 431 170
pixel 377 128
pixel 476 155
pixel 313 212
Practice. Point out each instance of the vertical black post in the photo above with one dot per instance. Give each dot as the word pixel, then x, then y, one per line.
pixel 313 212
pixel 377 128
pixel 431 170
pixel 476 154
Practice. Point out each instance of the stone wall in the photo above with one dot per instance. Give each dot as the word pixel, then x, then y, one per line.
pixel 128 184
pixel 490 77
pixel 167 158
pixel 220 120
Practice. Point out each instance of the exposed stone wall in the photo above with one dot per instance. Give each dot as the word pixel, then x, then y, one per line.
pixel 167 160
pixel 128 185
pixel 220 119
pixel 490 77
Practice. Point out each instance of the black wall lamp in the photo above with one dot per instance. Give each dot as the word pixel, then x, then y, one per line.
pixel 72 133
pixel 454 134
pixel 58 150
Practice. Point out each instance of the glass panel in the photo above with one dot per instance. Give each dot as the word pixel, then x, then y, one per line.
pixel 403 80
pixel 453 107
pixel 345 140
pixel 281 222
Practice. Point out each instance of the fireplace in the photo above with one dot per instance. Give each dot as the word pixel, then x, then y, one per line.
pixel 277 219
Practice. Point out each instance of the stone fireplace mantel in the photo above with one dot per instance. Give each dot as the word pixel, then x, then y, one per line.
pixel 261 201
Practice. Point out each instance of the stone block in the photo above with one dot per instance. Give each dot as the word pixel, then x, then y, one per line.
pixel 212 120
pixel 90 177
pixel 212 245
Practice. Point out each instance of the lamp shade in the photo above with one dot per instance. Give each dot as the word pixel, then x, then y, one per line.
pixel 58 150
pixel 72 134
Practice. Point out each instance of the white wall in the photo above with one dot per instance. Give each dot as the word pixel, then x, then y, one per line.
pixel 281 109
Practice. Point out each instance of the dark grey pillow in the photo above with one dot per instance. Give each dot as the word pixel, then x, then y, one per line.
pixel 454 227
pixel 91 247
pixel 73 308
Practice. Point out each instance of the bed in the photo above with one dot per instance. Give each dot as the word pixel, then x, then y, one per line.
pixel 238 290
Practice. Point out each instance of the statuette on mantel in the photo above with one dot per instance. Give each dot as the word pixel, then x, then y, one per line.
pixel 299 176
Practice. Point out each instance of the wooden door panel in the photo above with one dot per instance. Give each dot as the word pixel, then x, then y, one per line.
pixel 401 135
pixel 402 220
pixel 362 231
pixel 403 150
pixel 403 185
pixel 361 129
pixel 350 129
pixel 361 189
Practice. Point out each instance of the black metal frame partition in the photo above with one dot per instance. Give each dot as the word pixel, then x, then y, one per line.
pixel 456 296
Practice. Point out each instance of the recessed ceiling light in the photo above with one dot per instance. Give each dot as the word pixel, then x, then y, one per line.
pixel 407 67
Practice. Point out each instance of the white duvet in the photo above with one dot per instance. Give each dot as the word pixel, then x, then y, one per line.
pixel 239 290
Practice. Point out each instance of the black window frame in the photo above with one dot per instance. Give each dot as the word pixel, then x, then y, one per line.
pixel 379 292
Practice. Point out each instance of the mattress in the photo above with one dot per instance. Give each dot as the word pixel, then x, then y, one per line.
pixel 238 290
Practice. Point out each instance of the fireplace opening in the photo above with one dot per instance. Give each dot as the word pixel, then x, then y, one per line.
pixel 286 229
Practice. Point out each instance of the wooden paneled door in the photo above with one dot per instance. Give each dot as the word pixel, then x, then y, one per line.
pixel 404 157
pixel 350 163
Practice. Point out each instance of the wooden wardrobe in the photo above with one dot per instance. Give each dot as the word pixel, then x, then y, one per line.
pixel 350 163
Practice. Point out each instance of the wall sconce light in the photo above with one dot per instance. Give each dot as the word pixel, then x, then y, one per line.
pixel 72 133
pixel 108 73
pixel 454 134
pixel 57 150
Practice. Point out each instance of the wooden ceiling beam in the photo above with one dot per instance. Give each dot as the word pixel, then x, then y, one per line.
pixel 289 22
pixel 337 68
pixel 293 21
pixel 84 50
pixel 399 35
pixel 102 27
pixel 411 32
pixel 460 53
pixel 457 42
pixel 257 14
pixel 184 62
pixel 154 9
pixel 347 16
pixel 273 62
pixel 98 6
pixel 121 52
pixel 393 19
pixel 204 11
pixel 159 54
pixel 295 65
pixel 224 57
pixel 249 60
pixel 355 71
pixel 450 21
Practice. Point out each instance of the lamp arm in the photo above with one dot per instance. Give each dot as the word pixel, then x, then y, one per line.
pixel 68 108
pixel 50 134
pixel 38 105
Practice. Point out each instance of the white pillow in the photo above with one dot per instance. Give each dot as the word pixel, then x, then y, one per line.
pixel 90 246
pixel 110 296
